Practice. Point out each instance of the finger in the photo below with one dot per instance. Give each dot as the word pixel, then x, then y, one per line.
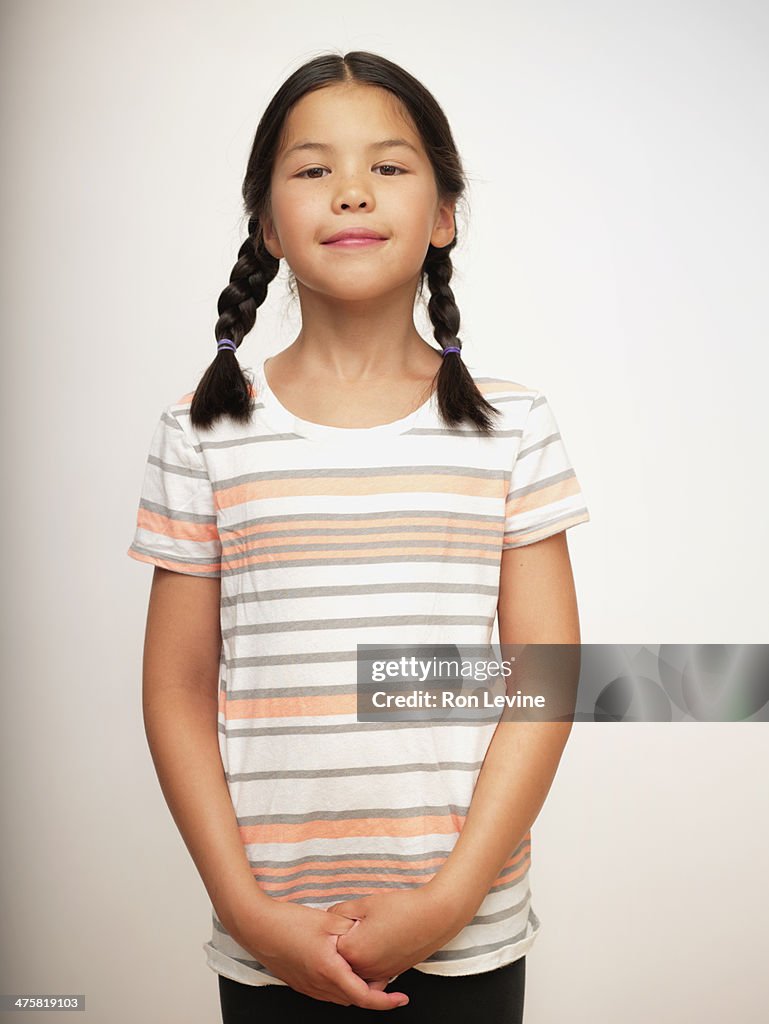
pixel 340 925
pixel 367 995
pixel 347 907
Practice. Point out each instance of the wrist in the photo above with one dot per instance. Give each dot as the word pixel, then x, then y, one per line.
pixel 455 909
pixel 238 909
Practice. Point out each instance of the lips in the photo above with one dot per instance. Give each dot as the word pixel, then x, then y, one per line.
pixel 354 233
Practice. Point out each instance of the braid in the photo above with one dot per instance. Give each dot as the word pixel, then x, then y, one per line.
pixel 458 394
pixel 442 306
pixel 224 387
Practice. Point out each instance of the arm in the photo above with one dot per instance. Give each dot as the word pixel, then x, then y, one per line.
pixel 298 944
pixel 537 604
pixel 180 694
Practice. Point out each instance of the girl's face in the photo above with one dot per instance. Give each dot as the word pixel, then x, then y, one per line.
pixel 345 179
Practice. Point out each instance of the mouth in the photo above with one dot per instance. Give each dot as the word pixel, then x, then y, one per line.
pixel 354 242
pixel 354 235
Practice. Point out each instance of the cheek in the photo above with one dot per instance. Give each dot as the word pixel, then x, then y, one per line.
pixel 420 221
pixel 295 216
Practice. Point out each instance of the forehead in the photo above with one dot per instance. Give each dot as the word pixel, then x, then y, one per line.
pixel 348 115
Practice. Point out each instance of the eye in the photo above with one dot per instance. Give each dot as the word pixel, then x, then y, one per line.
pixel 306 171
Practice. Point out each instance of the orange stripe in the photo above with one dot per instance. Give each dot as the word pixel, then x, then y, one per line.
pixel 305 486
pixel 438 551
pixel 300 706
pixel 345 828
pixel 542 497
pixel 348 540
pixel 177 529
pixel 348 869
pixel 383 522
pixel 515 868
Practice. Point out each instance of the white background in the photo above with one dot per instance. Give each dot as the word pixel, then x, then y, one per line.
pixel 614 257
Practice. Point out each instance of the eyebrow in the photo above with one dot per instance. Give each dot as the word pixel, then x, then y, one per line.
pixel 324 148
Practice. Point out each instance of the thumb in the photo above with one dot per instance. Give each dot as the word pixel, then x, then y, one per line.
pixel 340 925
pixel 347 908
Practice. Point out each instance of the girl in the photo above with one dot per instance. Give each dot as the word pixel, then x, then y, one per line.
pixel 363 487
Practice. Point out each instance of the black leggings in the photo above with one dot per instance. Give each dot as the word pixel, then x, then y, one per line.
pixel 493 997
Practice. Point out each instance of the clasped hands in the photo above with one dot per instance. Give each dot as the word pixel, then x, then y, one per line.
pixel 393 931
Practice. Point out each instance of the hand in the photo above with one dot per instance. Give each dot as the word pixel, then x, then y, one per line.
pixel 394 930
pixel 299 945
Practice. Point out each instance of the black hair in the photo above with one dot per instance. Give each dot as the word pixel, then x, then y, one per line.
pixel 225 388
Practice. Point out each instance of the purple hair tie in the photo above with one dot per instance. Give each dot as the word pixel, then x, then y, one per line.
pixel 227 343
pixel 452 348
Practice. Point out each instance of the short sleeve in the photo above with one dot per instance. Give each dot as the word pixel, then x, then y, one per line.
pixel 176 519
pixel 544 495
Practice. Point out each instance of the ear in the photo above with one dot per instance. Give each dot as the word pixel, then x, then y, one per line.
pixel 271 240
pixel 443 229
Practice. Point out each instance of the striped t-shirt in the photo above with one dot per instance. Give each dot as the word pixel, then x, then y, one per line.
pixel 325 538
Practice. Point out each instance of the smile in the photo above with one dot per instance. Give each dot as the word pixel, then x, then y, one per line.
pixel 351 242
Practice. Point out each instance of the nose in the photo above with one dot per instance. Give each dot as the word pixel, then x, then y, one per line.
pixel 353 194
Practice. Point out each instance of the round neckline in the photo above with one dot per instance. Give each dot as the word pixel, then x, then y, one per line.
pixel 284 420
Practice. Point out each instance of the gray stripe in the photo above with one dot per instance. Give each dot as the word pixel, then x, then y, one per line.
pixel 539 445
pixel 332 872
pixel 180 516
pixel 305 625
pixel 301 689
pixel 297 658
pixel 333 858
pixel 502 915
pixel 353 531
pixel 325 729
pixel 170 420
pixel 444 955
pixel 169 557
pixel 269 549
pixel 350 517
pixel 240 442
pixel 350 770
pixel 358 588
pixel 391 813
pixel 318 473
pixel 459 432
pixel 544 525
pixel 539 484
pixel 170 467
